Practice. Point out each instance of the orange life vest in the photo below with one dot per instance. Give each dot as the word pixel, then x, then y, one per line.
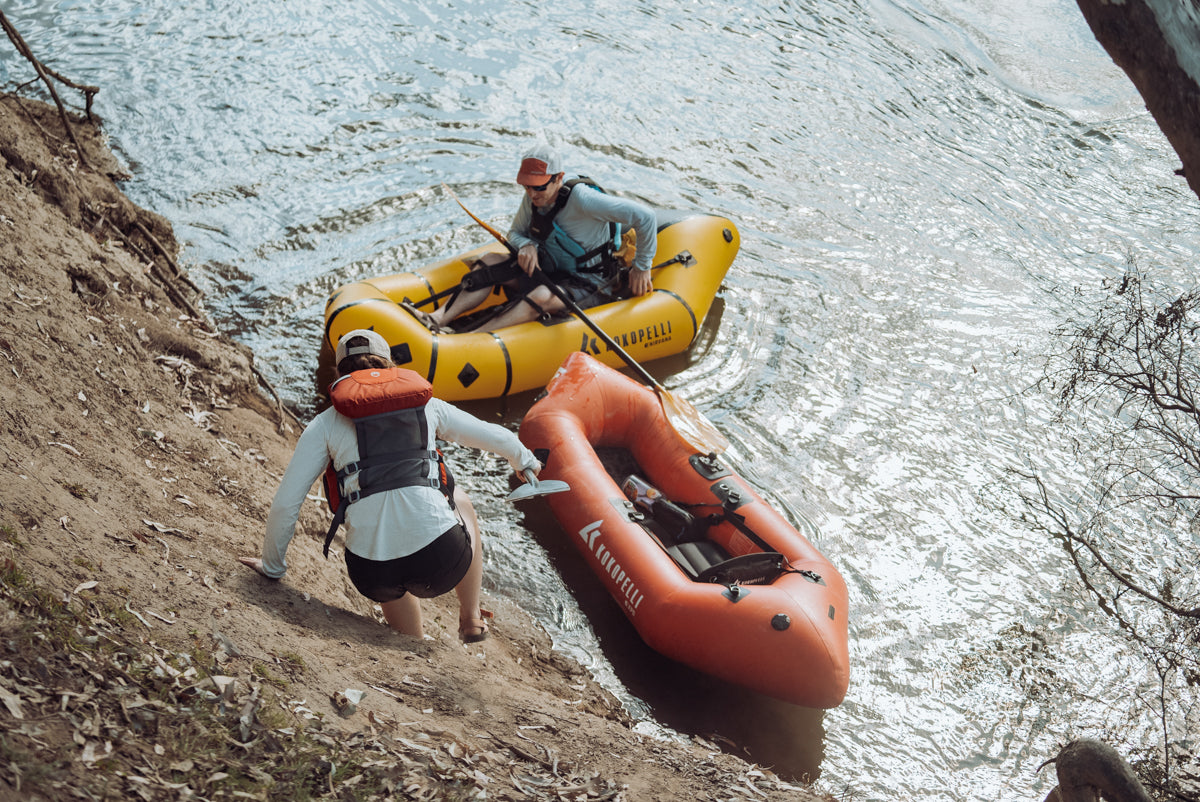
pixel 388 409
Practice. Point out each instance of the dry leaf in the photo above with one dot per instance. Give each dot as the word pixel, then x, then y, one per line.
pixel 138 616
pixel 12 702
pixel 170 530
pixel 84 586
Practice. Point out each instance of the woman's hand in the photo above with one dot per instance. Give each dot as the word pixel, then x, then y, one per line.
pixel 535 469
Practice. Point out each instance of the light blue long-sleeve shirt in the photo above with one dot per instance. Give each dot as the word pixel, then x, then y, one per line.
pixel 585 219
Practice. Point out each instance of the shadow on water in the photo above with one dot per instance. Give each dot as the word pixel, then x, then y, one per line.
pixel 784 737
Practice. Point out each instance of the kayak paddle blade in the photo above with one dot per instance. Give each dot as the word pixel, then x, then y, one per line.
pixel 695 429
pixel 534 487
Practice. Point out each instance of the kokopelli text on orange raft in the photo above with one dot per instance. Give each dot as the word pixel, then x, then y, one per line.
pixel 592 537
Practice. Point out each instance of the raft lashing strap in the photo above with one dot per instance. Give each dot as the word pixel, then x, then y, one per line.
pixel 483 275
pixel 495 276
pixel 683 537
pixel 476 278
pixel 761 568
pixel 732 498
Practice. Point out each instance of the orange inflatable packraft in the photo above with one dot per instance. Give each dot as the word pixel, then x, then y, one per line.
pixel 718 580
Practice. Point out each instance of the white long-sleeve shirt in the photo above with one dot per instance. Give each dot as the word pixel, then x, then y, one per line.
pixel 387 525
pixel 585 219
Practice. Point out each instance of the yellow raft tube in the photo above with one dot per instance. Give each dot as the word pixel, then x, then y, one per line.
pixel 695 252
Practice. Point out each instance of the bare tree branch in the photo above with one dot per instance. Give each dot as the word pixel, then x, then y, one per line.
pixel 45 75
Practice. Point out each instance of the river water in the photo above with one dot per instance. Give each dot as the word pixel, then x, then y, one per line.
pixel 918 184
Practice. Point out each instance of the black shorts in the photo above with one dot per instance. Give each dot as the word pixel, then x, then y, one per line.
pixel 432 571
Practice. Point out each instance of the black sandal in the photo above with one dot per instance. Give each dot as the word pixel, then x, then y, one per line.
pixel 479 623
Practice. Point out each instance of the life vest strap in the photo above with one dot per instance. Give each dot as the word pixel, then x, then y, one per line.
pixel 339 515
pixel 386 458
pixel 542 227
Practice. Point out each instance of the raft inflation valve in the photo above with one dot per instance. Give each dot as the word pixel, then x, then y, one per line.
pixel 733 498
pixel 781 621
pixel 708 466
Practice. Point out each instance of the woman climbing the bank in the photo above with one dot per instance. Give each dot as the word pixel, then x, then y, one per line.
pixel 410 534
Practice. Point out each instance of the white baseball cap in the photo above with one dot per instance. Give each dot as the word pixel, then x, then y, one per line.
pixel 375 345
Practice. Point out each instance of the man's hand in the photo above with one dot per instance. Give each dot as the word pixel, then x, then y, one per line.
pixel 640 282
pixel 527 258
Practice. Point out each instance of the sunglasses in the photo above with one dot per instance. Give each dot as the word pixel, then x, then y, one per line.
pixel 539 188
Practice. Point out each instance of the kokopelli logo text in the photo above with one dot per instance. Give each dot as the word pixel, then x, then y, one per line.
pixel 608 563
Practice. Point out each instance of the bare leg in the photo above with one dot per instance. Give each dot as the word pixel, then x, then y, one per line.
pixel 469 588
pixel 404 615
pixel 523 312
pixel 466 301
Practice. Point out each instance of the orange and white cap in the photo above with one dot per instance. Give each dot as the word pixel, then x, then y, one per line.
pixel 539 165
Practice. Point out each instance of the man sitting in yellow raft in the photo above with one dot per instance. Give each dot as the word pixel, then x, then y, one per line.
pixel 570 230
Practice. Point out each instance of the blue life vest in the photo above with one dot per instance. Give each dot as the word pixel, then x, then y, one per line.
pixel 568 255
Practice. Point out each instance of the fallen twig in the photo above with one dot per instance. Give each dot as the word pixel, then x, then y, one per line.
pixel 280 409
pixel 166 281
pixel 171 262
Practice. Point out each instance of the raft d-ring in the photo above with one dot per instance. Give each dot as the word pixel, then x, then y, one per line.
pixel 735 592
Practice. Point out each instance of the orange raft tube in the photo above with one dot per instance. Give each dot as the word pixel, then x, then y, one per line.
pixel 737 593
pixel 492 364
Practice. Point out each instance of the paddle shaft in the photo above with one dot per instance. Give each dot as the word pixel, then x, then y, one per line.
pixel 569 303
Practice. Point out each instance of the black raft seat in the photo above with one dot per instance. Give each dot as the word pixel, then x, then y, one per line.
pixel 705 561
pixel 697 556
